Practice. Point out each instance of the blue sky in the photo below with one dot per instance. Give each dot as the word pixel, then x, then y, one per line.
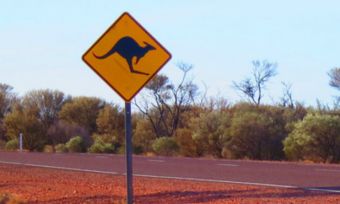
pixel 42 43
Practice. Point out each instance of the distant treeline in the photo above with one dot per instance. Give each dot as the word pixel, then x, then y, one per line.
pixel 175 120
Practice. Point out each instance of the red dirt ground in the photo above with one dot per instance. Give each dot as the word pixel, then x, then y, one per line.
pixel 39 185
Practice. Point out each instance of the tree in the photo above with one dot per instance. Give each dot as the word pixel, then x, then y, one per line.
pixel 253 87
pixel 82 111
pixel 110 121
pixel 7 98
pixel 334 82
pixel 287 96
pixel 334 75
pixel 2 130
pixel 26 121
pixel 163 102
pixel 48 104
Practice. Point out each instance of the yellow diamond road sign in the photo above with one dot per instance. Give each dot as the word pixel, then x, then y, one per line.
pixel 126 56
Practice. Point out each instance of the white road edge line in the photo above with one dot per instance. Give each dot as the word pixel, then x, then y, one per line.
pixel 60 168
pixel 215 181
pixel 328 170
pixel 230 165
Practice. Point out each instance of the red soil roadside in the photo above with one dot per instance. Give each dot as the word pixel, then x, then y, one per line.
pixel 39 185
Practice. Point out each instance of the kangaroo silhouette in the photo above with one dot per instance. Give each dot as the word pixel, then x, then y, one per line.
pixel 128 48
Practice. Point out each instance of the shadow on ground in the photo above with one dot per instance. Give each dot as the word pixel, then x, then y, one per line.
pixel 85 199
pixel 334 188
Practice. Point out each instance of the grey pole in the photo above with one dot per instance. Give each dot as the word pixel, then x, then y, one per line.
pixel 128 152
pixel 20 142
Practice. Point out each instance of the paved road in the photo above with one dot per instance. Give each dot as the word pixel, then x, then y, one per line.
pixel 277 174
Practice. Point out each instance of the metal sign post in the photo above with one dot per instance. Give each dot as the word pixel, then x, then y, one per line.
pixel 127 57
pixel 128 152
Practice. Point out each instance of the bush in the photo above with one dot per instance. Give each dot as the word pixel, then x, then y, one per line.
pixel 165 146
pixel 143 136
pixel 75 144
pixel 48 149
pixel 255 135
pixel 99 146
pixel 187 146
pixel 210 132
pixel 61 132
pixel 121 150
pixel 60 148
pixel 2 144
pixel 106 138
pixel 316 138
pixel 12 145
pixel 96 148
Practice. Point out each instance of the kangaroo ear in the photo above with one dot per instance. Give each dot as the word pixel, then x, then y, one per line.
pixel 148 44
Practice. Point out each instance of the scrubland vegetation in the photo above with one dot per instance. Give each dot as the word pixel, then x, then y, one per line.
pixel 177 119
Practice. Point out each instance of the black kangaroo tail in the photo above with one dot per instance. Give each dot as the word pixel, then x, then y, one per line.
pixel 106 55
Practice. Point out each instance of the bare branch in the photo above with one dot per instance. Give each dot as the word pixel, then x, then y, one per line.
pixel 334 74
pixel 287 97
pixel 253 87
pixel 168 101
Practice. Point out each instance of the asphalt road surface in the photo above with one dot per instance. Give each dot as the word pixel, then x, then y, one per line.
pixel 318 177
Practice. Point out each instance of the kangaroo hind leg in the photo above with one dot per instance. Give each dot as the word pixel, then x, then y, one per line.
pixel 134 71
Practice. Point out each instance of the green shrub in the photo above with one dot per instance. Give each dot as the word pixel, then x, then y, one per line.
pixel 99 146
pixel 143 136
pixel 256 135
pixel 209 132
pixel 316 138
pixel 48 149
pixel 96 148
pixel 12 145
pixel 60 148
pixel 75 144
pixel 165 146
pixel 121 150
